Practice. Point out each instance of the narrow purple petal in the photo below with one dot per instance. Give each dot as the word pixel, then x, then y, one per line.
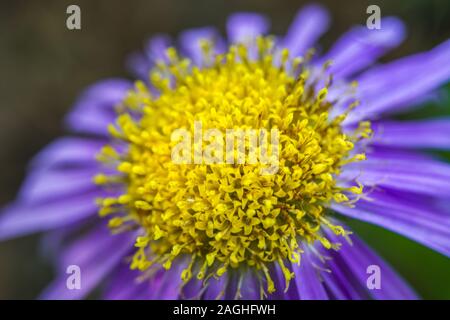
pixel 216 288
pixel 20 219
pixel 45 185
pixel 170 282
pixel 192 290
pixel 383 76
pixel 190 42
pixel 246 27
pixel 408 216
pixel 307 279
pixel 132 284
pixel 413 134
pixel 250 289
pixel 280 285
pixel 125 285
pixel 96 254
pixel 138 65
pixel 155 50
pixel 408 180
pixel 246 283
pixel 398 85
pixel 402 170
pixel 339 281
pixel 358 257
pixel 91 120
pixel 94 110
pixel 361 47
pixel 68 152
pixel 308 25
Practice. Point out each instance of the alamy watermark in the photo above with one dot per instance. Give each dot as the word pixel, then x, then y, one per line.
pixel 73 21
pixel 374 20
pixel 374 280
pixel 233 146
pixel 73 281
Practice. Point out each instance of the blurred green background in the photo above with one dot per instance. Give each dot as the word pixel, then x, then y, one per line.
pixel 44 66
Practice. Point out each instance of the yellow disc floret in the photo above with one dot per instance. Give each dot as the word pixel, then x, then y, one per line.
pixel 226 215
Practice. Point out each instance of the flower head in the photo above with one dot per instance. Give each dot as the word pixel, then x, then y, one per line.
pixel 229 215
pixel 259 219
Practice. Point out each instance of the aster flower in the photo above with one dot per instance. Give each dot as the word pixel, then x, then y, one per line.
pixel 111 200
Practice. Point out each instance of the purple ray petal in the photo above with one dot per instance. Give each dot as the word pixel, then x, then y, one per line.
pixel 192 290
pixel 155 50
pixel 246 282
pixel 68 152
pixel 132 284
pixel 96 254
pixel 20 219
pixel 308 25
pixel 354 259
pixel 190 42
pixel 360 47
pixel 407 216
pixel 307 279
pixel 250 289
pixel 216 288
pixel 339 281
pixel 383 76
pixel 170 282
pixel 138 65
pixel 45 185
pixel 244 27
pixel 397 86
pixel 402 170
pixel 94 110
pixel 408 180
pixel 124 285
pixel 280 285
pixel 433 133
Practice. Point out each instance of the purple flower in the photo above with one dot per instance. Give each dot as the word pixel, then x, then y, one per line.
pixel 110 201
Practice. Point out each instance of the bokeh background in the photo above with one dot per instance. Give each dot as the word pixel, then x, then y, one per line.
pixel 44 66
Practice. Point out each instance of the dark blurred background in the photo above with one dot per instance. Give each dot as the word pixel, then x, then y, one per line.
pixel 44 66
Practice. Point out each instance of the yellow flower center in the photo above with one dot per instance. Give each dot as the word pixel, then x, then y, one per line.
pixel 227 215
